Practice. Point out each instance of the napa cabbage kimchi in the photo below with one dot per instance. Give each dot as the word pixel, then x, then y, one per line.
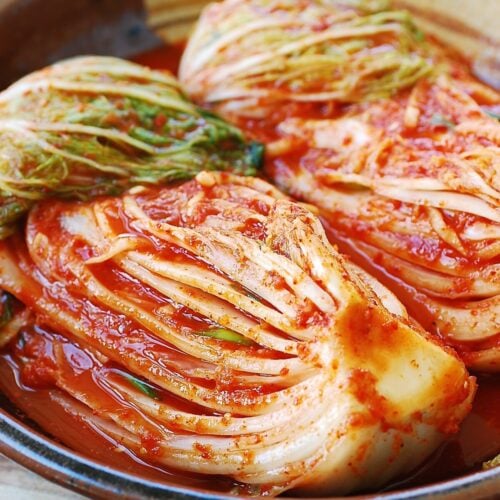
pixel 386 132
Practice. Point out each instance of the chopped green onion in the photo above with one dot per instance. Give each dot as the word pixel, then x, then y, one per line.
pixel 227 335
pixel 6 312
pixel 142 386
pixel 256 155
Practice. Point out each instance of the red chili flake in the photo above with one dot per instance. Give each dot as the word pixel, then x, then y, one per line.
pixel 160 120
